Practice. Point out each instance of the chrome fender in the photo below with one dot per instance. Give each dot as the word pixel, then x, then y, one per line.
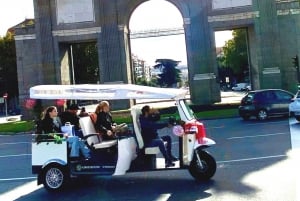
pixel 204 142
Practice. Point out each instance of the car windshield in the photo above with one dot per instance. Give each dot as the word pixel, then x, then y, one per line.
pixel 249 97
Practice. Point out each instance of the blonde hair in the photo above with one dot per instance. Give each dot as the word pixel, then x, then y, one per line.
pixel 101 105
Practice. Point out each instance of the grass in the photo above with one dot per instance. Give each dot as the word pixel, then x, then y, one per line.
pixel 16 127
pixel 224 113
pixel 24 126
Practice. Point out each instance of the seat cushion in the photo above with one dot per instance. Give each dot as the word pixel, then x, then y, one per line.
pixel 105 144
pixel 152 150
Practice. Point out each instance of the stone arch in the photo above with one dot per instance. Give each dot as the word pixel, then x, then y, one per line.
pixel 131 5
pixel 198 38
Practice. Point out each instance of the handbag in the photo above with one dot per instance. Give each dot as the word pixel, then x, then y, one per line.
pixel 68 128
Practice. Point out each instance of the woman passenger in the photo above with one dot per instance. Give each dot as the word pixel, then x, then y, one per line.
pixel 104 123
pixel 50 123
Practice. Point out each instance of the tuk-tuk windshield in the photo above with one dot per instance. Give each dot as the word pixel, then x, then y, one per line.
pixel 187 110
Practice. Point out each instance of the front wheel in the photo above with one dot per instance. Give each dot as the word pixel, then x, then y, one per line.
pixel 297 117
pixel 204 169
pixel 54 177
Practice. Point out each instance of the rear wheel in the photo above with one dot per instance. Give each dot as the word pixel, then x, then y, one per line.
pixel 297 118
pixel 246 117
pixel 54 177
pixel 205 169
pixel 262 115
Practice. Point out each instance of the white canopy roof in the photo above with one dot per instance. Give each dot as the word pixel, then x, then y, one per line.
pixel 104 92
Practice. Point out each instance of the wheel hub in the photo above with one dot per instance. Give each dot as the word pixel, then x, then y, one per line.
pixel 54 178
pixel 203 166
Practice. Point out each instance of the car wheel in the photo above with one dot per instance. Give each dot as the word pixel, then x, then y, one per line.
pixel 246 118
pixel 262 115
pixel 297 118
pixel 54 177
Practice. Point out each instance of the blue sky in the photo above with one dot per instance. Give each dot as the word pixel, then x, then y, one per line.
pixel 13 12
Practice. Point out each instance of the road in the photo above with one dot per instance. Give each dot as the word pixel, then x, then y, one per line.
pixel 255 162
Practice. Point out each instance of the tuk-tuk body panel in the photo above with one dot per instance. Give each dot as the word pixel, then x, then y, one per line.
pixel 43 152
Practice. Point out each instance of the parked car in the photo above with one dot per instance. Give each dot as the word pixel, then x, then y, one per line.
pixel 241 87
pixel 294 106
pixel 265 103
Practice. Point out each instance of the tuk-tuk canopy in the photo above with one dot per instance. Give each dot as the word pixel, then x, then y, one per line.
pixel 104 92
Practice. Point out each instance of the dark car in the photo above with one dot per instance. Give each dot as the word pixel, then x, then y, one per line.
pixel 265 103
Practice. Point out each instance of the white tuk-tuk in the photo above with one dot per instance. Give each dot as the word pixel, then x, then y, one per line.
pixel 127 153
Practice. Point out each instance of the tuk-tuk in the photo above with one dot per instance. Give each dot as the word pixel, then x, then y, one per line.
pixel 126 153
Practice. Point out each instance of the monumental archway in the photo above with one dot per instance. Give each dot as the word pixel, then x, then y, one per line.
pixel 272 26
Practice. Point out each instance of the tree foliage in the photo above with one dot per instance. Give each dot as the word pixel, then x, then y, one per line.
pixel 169 75
pixel 235 54
pixel 8 67
pixel 143 81
pixel 86 65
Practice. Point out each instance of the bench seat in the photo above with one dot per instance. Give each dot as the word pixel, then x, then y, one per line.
pixel 92 138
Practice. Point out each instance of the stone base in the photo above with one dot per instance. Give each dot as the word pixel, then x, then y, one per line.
pixel 204 89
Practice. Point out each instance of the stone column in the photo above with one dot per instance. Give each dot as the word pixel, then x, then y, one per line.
pixel 268 50
pixel 114 57
pixel 44 40
pixel 254 67
pixel 201 61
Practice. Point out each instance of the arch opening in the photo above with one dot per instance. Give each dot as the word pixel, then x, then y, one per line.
pixel 156 32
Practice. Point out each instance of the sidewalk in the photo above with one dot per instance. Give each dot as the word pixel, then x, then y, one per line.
pixel 10 118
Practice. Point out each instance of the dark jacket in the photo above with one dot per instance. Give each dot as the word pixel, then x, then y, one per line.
pixel 46 126
pixel 70 117
pixel 104 122
pixel 149 129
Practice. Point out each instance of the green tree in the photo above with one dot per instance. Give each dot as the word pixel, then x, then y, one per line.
pixel 86 65
pixel 235 54
pixel 169 75
pixel 8 67
pixel 144 82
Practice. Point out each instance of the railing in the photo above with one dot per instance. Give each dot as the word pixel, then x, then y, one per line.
pixel 157 33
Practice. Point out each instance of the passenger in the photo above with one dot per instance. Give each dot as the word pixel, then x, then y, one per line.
pixel 104 123
pixel 50 123
pixel 94 115
pixel 150 137
pixel 70 115
pixel 83 112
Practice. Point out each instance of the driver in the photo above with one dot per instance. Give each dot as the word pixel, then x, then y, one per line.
pixel 149 128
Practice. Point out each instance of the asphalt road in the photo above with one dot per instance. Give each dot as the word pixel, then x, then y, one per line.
pixel 254 159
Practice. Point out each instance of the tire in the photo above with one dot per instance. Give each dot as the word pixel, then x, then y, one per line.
pixel 54 177
pixel 246 118
pixel 209 166
pixel 262 115
pixel 297 118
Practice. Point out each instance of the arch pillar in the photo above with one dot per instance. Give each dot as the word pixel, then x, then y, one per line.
pixel 201 56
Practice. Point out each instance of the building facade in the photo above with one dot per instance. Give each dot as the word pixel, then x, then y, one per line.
pixel 43 51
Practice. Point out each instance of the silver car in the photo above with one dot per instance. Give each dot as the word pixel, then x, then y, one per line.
pixel 294 106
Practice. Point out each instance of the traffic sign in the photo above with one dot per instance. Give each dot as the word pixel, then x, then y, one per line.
pixel 5 95
pixel 1 100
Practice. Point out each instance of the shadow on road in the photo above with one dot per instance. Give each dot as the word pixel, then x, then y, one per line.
pixel 134 187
